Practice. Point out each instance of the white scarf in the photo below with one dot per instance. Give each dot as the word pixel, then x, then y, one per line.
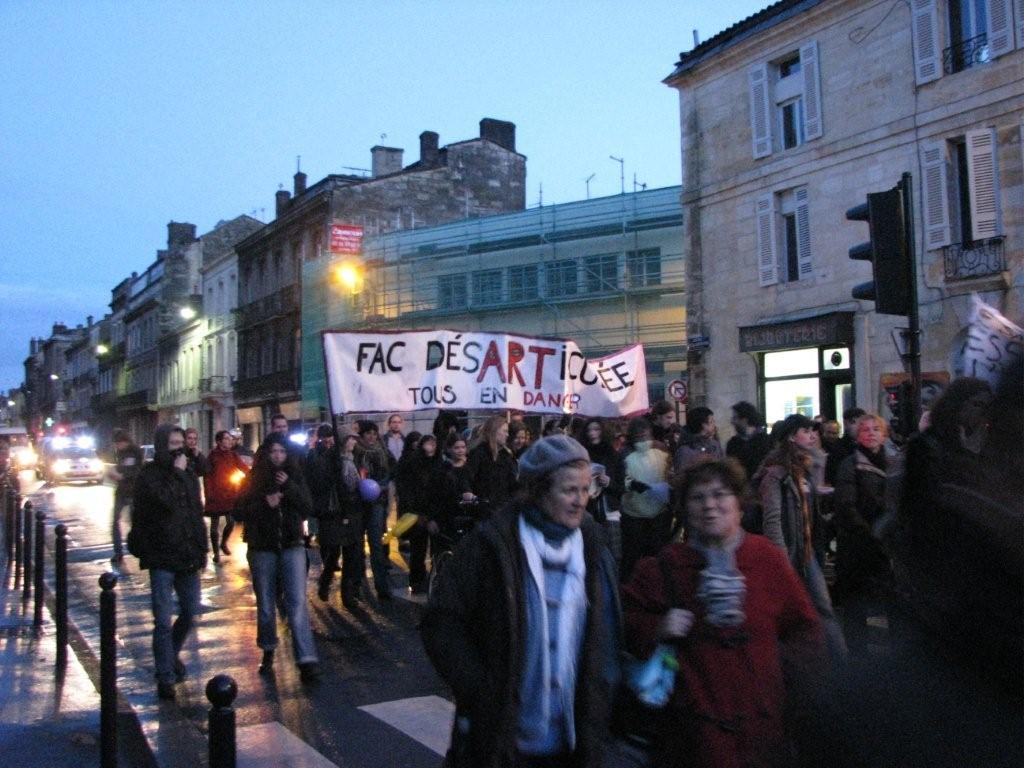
pixel 573 605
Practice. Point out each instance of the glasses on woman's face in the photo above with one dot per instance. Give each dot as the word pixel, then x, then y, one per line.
pixel 717 496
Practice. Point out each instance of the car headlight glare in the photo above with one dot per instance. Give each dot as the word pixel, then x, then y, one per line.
pixel 60 466
pixel 96 465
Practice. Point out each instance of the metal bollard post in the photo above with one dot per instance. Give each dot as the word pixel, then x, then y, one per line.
pixel 9 523
pixel 19 548
pixel 37 613
pixel 108 671
pixel 221 690
pixel 61 578
pixel 26 576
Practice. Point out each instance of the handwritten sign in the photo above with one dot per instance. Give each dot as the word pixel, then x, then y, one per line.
pixel 993 344
pixel 420 370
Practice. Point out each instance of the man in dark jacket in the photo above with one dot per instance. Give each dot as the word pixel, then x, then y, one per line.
pixel 169 538
pixel 127 465
pixel 751 442
pixel 197 460
pixel 374 462
pixel 524 624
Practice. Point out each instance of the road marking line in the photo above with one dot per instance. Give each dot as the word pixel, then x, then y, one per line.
pixel 271 745
pixel 427 719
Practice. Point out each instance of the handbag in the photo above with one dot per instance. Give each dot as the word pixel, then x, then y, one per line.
pixel 635 722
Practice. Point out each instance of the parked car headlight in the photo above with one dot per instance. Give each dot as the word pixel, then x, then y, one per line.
pixel 61 466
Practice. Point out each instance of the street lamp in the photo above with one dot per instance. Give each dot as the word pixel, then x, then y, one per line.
pixel 102 349
pixel 350 276
pixel 187 313
pixel 54 377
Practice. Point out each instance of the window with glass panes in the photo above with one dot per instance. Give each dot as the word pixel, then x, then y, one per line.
pixel 561 278
pixel 644 267
pixel 522 282
pixel 602 273
pixel 451 291
pixel 487 287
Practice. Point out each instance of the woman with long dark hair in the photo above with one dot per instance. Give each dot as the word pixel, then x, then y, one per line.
pixel 273 508
pixel 414 477
pixel 607 483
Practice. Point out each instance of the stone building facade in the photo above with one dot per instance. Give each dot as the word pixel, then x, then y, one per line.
pixel 473 178
pixel 606 273
pixel 791 117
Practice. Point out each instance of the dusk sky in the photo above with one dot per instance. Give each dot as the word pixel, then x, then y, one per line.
pixel 117 117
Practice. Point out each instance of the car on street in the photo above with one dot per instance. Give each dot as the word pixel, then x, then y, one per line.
pixel 72 463
pixel 23 455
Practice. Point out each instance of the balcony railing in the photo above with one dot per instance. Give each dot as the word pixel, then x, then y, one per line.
pixel 268 384
pixel 278 303
pixel 977 259
pixel 212 384
pixel 966 54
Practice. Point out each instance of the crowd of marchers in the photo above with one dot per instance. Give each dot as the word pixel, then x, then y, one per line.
pixel 756 573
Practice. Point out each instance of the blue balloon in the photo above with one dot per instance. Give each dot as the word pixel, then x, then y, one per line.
pixel 369 489
pixel 659 492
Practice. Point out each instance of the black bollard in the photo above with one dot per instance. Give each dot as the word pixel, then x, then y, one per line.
pixel 9 523
pixel 60 577
pixel 37 613
pixel 26 576
pixel 221 690
pixel 19 548
pixel 108 671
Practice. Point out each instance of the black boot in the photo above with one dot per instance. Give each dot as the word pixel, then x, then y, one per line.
pixel 267 665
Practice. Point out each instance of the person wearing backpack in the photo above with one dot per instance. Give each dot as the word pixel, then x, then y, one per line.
pixel 788 496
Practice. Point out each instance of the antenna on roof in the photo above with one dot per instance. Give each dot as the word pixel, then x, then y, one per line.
pixel 587 182
pixel 622 173
pixel 696 38
pixel 540 199
pixel 298 163
pixel 641 185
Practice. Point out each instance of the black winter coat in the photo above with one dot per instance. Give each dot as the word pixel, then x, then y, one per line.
pixel 492 479
pixel 269 529
pixel 473 632
pixel 860 501
pixel 168 517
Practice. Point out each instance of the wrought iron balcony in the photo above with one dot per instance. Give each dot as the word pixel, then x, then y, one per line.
pixel 966 54
pixel 977 259
pixel 214 384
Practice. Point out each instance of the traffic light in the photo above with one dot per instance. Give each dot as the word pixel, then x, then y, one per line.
pixel 891 265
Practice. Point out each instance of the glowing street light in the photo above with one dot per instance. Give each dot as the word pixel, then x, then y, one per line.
pixel 349 276
pixel 187 313
pixel 54 377
pixel 102 349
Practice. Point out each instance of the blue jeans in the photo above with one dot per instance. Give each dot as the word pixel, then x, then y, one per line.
pixel 286 568
pixel 167 637
pixel 376 524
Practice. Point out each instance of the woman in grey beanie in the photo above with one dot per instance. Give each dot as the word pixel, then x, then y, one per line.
pixel 525 621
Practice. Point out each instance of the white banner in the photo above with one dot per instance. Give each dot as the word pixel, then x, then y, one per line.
pixel 419 370
pixel 993 344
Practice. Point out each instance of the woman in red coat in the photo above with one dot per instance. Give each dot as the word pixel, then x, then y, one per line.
pixel 221 487
pixel 737 611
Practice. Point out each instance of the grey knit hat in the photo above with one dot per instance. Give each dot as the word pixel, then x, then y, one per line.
pixel 548 454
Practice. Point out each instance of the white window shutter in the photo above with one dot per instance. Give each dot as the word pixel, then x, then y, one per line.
pixel 936 196
pixel 767 266
pixel 760 111
pixel 927 51
pixel 812 90
pixel 1018 17
pixel 999 26
pixel 983 180
pixel 803 232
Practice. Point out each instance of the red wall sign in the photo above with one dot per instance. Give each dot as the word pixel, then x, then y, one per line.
pixel 346 238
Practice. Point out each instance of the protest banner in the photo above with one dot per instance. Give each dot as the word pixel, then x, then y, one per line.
pixel 993 344
pixel 385 371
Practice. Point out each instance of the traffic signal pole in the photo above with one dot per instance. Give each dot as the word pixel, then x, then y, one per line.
pixel 914 316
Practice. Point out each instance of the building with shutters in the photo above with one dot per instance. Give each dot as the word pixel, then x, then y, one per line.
pixel 789 118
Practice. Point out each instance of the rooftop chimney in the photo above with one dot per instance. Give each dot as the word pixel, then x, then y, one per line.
pixel 281 198
pixel 300 183
pixel 180 233
pixel 501 132
pixel 428 148
pixel 88 321
pixel 386 160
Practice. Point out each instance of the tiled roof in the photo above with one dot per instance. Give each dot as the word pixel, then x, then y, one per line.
pixel 774 14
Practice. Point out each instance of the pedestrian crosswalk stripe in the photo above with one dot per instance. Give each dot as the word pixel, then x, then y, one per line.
pixel 427 719
pixel 271 745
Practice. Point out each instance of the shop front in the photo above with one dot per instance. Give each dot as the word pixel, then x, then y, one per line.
pixel 803 366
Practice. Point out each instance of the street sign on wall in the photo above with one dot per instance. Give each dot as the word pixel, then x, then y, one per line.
pixel 678 390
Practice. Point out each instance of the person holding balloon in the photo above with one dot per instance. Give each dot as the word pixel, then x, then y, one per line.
pixel 374 464
pixel 273 508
